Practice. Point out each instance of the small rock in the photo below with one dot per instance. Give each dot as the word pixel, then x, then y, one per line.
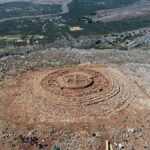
pixel 40 146
pixel 56 148
pixel 3 135
pixel 115 144
pixel 146 145
pixel 120 146
pixel 131 130
pixel 43 140
pixel 126 135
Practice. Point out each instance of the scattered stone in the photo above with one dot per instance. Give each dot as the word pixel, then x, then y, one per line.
pixel 120 146
pixel 131 130
pixel 56 148
pixel 115 144
pixel 40 146
pixel 146 145
pixel 3 136
pixel 33 140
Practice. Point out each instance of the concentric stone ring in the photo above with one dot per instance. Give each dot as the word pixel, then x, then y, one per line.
pixel 75 83
pixel 72 94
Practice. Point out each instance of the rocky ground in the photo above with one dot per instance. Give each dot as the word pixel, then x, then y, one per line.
pixel 141 9
pixel 127 130
pixel 122 41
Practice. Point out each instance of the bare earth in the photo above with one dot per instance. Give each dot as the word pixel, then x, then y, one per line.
pixel 75 107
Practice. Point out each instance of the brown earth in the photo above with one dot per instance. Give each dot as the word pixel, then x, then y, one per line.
pixel 75 108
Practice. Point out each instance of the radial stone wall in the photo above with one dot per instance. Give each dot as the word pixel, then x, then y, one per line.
pixel 73 94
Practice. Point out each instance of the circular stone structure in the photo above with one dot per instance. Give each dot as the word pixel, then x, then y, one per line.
pixel 74 81
pixel 76 84
pixel 72 94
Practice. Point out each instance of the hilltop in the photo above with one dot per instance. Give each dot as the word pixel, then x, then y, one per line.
pixel 74 74
pixel 44 92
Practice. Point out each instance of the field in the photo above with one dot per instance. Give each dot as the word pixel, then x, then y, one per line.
pixel 20 9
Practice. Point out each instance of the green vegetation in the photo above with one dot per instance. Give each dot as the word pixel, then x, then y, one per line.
pixel 57 27
pixel 18 9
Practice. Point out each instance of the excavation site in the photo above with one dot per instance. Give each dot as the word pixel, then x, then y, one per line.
pixel 75 94
pixel 79 107
pixel 74 74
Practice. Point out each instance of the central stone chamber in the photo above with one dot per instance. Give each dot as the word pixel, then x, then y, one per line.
pixel 75 81
pixel 74 94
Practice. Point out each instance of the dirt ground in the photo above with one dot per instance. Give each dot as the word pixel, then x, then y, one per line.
pixel 75 99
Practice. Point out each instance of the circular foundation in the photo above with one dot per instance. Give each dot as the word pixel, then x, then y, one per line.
pixel 73 94
pixel 74 81
pixel 78 84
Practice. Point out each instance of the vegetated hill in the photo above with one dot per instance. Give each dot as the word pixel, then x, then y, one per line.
pixel 124 13
pixel 36 1
pixel 6 1
pixel 50 1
